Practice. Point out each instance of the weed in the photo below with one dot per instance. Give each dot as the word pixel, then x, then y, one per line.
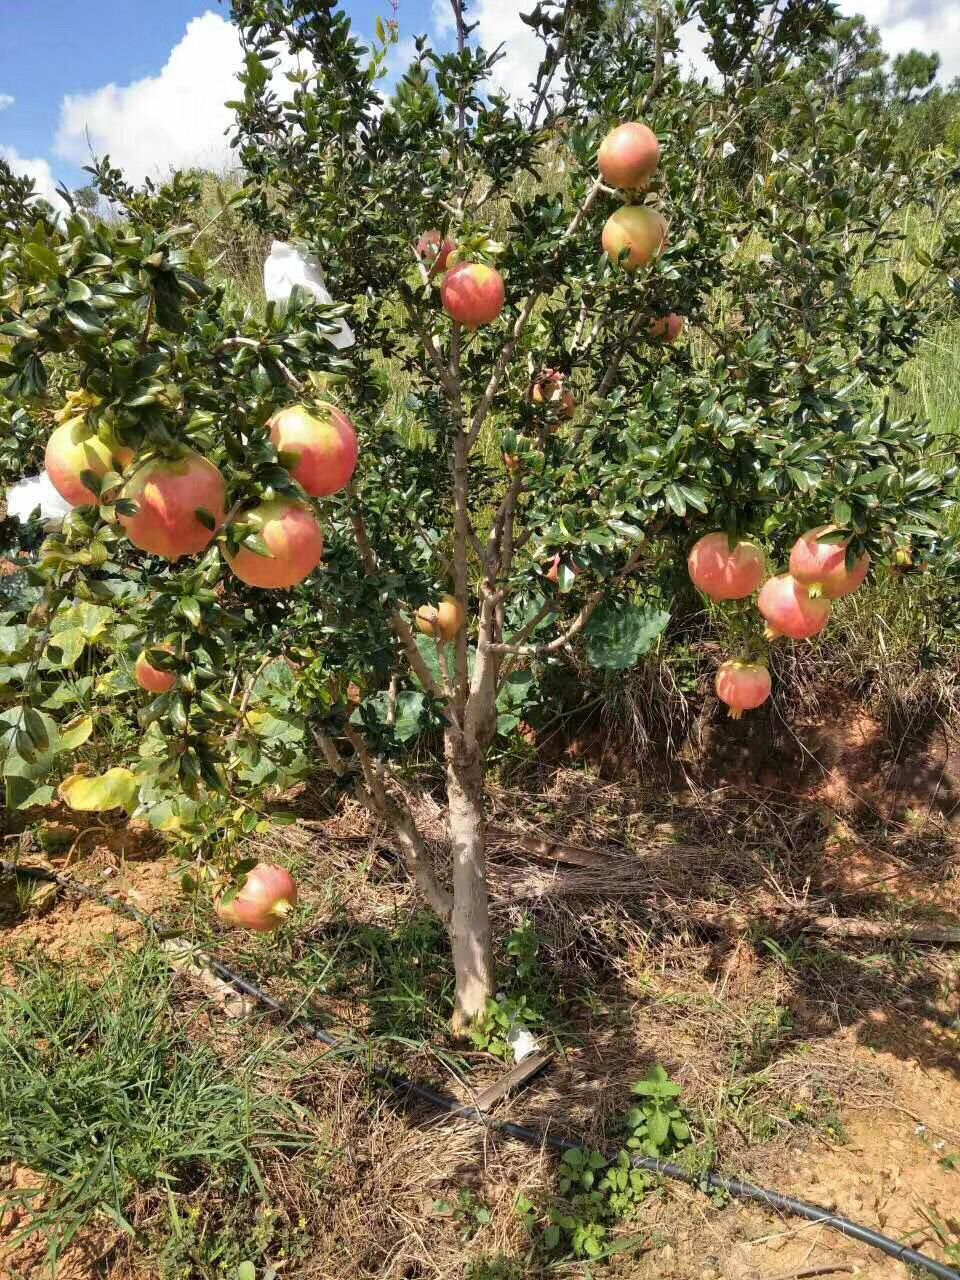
pixel 597 1192
pixel 469 1213
pixel 108 1096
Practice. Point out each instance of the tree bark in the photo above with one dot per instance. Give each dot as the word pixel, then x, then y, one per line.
pixel 470 938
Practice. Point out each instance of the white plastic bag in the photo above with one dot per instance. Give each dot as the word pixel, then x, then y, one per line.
pixel 285 268
pixel 31 492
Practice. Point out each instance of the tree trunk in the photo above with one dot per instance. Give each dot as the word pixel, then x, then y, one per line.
pixel 470 921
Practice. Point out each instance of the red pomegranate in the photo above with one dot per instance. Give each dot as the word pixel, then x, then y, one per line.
pixel 168 493
pixel 151 678
pixel 294 543
pixel 666 328
pixel 636 228
pixel 433 250
pixel 725 572
pixel 790 610
pixel 742 685
pixel 823 565
pixel 324 442
pixel 267 895
pixel 628 156
pixel 472 293
pixel 549 390
pixel 72 449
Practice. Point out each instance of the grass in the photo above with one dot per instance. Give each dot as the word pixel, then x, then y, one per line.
pixel 117 1100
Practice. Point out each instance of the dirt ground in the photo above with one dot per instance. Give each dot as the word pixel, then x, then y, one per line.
pixel 713 926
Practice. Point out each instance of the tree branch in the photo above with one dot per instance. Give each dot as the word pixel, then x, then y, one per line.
pixel 373 795
pixel 579 622
pixel 399 624
pixel 506 355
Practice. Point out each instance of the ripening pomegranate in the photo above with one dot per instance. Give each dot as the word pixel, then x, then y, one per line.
pixel 666 328
pixel 552 573
pixel 294 543
pixel 742 686
pixel 549 390
pixel 823 565
pixel 722 571
pixel 472 293
pixel 324 442
pixel 433 250
pixel 790 610
pixel 169 492
pixel 636 228
pixel 267 895
pixel 442 621
pixel 628 156
pixel 73 449
pixel 152 678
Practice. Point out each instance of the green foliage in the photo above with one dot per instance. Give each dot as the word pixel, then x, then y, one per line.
pixel 528 997
pixel 469 1213
pixel 597 1192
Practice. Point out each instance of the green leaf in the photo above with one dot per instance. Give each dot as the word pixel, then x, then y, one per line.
pixel 658 1128
pixel 620 633
pixel 43 258
pixel 85 319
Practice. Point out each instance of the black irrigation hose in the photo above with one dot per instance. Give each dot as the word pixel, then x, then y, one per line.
pixel 519 1132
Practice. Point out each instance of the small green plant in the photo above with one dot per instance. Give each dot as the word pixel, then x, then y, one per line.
pixel 598 1192
pixel 467 1211
pixel 501 1016
pixel 523 948
pixel 657 1125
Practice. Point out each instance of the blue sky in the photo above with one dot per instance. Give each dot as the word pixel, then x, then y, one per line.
pixel 145 80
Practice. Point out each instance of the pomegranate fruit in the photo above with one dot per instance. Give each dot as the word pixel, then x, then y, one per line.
pixel 666 328
pixel 442 621
pixel 169 492
pixel 294 544
pixel 790 610
pixel 628 156
pixel 73 449
pixel 742 685
pixel 552 573
pixel 267 895
pixel 324 442
pixel 549 390
pixel 472 294
pixel 722 571
pixel 637 229
pixel 823 565
pixel 433 250
pixel 151 678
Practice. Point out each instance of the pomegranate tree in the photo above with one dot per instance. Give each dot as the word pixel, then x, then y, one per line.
pixel 436 592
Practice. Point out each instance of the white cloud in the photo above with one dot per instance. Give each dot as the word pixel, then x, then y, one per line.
pixel 498 22
pixel 175 119
pixel 6 100
pixel 932 26
pixel 37 169
pixel 928 25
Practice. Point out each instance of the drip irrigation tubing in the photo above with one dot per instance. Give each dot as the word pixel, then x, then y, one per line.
pixel 520 1133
